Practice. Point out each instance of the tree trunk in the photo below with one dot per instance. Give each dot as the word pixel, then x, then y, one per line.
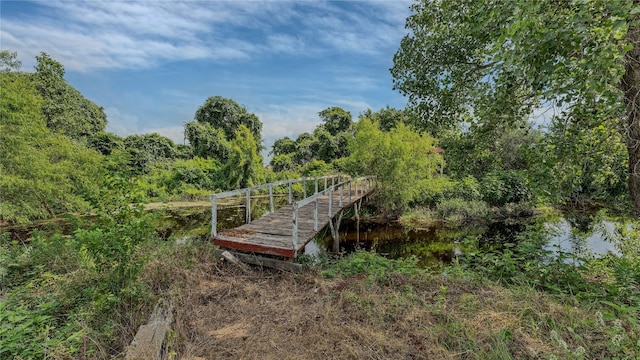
pixel 630 85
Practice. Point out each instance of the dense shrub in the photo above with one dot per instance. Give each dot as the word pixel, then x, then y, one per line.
pixel 502 187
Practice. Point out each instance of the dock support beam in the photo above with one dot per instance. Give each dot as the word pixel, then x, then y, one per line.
pixel 335 232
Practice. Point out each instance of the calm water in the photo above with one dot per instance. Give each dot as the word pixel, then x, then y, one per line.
pixel 583 235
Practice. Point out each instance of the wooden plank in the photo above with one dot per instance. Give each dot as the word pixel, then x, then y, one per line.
pixel 288 253
pixel 266 262
pixel 272 233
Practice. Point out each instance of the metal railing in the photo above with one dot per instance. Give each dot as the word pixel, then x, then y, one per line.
pixel 365 187
pixel 247 192
pixel 354 188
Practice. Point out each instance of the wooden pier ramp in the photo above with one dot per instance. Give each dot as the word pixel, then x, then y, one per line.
pixel 286 231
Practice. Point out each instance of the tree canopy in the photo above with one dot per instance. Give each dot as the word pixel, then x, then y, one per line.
pixel 227 115
pixel 399 158
pixel 489 62
pixel 64 109
pixel 335 120
pixel 41 173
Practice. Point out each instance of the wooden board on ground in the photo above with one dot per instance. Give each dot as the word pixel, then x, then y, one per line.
pixel 264 261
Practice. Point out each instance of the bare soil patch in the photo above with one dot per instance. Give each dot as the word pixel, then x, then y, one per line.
pixel 222 312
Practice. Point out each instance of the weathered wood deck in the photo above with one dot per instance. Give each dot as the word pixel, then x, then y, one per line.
pixel 286 231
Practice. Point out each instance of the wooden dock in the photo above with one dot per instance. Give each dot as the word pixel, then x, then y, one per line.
pixel 286 231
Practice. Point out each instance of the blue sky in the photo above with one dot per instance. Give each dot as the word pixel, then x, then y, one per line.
pixel 151 64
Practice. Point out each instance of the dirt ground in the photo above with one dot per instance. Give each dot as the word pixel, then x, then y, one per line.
pixel 224 312
pixel 272 315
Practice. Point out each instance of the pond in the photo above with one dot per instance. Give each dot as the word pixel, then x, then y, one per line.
pixel 580 234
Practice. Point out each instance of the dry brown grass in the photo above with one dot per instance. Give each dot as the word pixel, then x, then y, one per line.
pixel 222 312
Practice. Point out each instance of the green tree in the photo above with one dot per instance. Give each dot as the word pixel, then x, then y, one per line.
pixel 64 109
pixel 227 115
pixel 41 173
pixel 9 61
pixel 206 141
pixel 471 60
pixel 283 162
pixel 244 168
pixel 155 146
pixel 283 146
pixel 105 142
pixel 389 117
pixel 335 120
pixel 400 158
pixel 148 149
pixel 489 146
pixel 306 146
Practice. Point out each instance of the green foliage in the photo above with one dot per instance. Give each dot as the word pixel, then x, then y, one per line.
pixel 374 266
pixel 499 188
pixel 316 168
pixel 459 210
pixel 64 109
pixel 227 115
pixel 306 147
pixel 328 142
pixel 283 162
pixel 244 168
pixel 9 61
pixel 105 143
pixel 489 146
pixel 388 117
pixel 283 146
pixel 153 146
pixel 72 296
pixel 206 141
pixel 491 64
pixel 183 179
pixel 399 158
pixel 527 261
pixel 336 120
pixel 42 173
pixel 581 164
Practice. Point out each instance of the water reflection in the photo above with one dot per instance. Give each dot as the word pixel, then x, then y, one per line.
pixel 594 238
pixel 583 235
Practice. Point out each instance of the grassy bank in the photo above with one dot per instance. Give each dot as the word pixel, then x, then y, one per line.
pixel 366 306
pixel 61 300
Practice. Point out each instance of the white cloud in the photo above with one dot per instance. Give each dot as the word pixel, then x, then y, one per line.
pixel 175 133
pixel 119 123
pixel 86 35
pixel 291 120
pixel 123 124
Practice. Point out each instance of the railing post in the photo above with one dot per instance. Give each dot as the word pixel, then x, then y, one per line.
pixel 248 201
pixel 341 191
pixel 356 187
pixel 214 216
pixel 315 216
pixel 304 188
pixel 316 187
pixel 330 200
pixel 271 207
pixel 294 234
pixel 325 183
pixel 290 194
pixel 350 191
